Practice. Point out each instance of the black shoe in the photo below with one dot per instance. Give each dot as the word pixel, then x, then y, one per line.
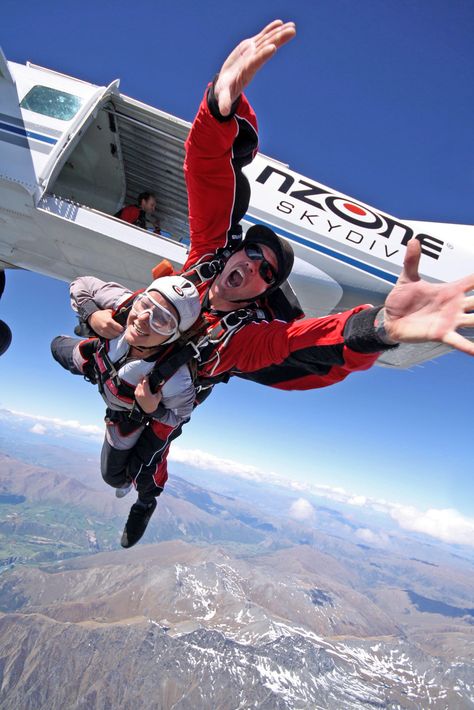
pixel 138 519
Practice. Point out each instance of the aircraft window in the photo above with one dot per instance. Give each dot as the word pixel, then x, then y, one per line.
pixel 51 102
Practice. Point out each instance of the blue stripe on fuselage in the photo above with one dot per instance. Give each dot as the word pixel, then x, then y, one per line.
pixel 27 134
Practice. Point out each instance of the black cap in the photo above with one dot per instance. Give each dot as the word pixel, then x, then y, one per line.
pixel 260 234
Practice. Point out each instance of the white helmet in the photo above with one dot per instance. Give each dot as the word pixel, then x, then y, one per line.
pixel 181 294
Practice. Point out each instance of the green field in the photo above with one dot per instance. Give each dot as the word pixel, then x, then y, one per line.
pixel 34 533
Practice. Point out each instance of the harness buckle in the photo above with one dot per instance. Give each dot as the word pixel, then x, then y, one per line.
pixel 137 415
pixel 234 318
pixel 208 269
pixel 197 351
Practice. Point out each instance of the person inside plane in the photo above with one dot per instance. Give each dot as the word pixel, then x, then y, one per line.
pixel 141 214
pixel 140 417
pixel 254 328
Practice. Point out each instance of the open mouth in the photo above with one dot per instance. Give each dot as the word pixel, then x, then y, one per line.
pixel 138 330
pixel 235 278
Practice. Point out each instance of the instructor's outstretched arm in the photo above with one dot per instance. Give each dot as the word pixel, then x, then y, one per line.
pixel 247 58
pixel 417 311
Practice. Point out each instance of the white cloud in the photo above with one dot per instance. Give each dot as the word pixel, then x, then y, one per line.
pixel 59 427
pixel 445 524
pixel 357 500
pixel 373 538
pixel 302 510
pixel 204 460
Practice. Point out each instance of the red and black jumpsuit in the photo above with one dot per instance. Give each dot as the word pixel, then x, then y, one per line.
pixel 303 354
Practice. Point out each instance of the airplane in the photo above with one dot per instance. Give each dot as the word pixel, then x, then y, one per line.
pixel 73 153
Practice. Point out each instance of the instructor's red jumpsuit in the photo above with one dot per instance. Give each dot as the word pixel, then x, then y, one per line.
pixel 303 354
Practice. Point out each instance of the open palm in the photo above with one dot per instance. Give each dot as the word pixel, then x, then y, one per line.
pixel 418 311
pixel 247 58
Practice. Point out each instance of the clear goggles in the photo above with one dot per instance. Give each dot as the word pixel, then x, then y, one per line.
pixel 160 319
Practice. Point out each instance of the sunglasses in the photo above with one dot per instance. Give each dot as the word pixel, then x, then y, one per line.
pixel 266 270
pixel 160 319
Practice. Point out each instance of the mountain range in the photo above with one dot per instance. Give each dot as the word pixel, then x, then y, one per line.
pixel 224 606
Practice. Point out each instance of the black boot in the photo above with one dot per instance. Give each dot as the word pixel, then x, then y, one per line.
pixel 62 349
pixel 138 519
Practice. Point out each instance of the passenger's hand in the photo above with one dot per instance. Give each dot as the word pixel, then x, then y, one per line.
pixel 417 311
pixel 104 325
pixel 145 398
pixel 247 58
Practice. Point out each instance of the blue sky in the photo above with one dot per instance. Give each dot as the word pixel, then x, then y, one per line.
pixel 374 99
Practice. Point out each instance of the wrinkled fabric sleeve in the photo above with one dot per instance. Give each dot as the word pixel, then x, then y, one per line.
pixel 218 192
pixel 177 402
pixel 89 295
pixel 304 354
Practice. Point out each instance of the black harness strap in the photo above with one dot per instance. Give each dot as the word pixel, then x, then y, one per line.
pixel 167 366
pixel 111 369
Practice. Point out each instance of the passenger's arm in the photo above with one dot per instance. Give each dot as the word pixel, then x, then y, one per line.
pixel 178 397
pixel 147 399
pixel 173 403
pixel 95 301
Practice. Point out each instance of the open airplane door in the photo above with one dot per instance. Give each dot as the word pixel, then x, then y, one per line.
pixel 69 139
